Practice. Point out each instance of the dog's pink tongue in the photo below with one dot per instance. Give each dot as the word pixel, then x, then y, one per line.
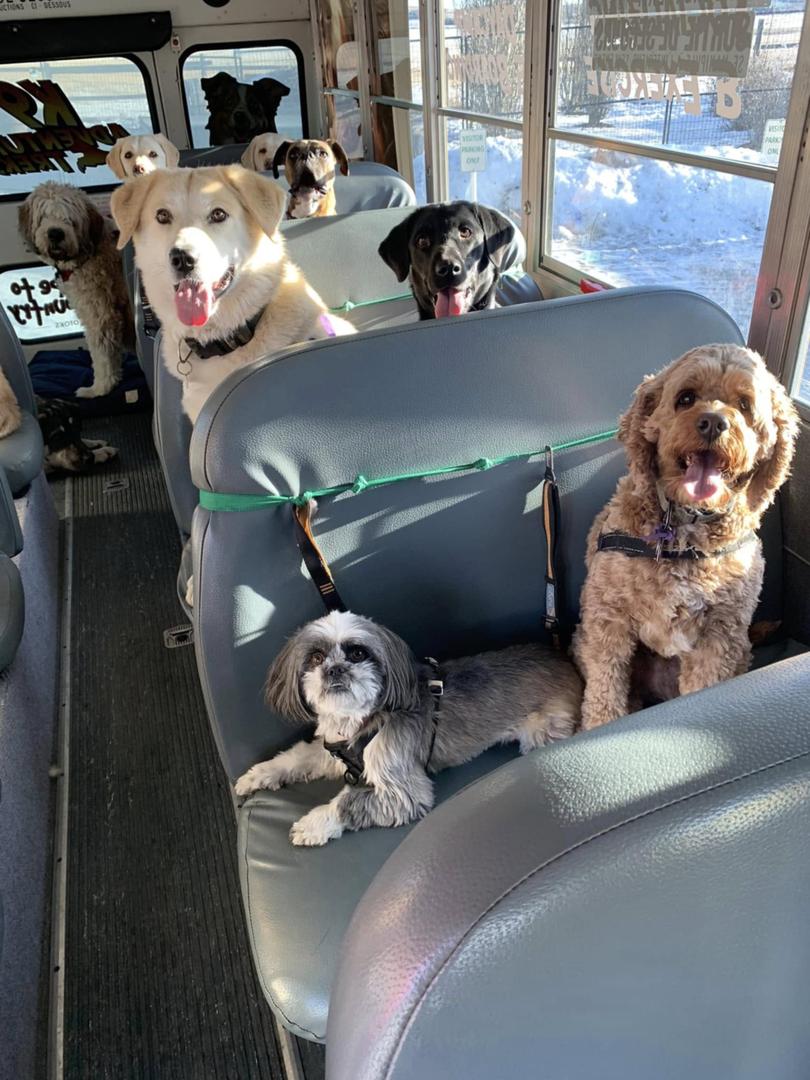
pixel 192 301
pixel 449 302
pixel 702 478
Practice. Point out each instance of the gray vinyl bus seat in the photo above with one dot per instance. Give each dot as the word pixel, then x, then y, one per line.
pixel 339 258
pixel 630 904
pixel 29 635
pixel 22 452
pixel 454 564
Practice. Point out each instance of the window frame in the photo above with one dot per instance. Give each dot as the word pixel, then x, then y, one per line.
pixel 154 116
pixel 211 46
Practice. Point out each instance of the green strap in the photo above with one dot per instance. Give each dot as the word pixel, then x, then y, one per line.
pixel 216 500
pixel 350 305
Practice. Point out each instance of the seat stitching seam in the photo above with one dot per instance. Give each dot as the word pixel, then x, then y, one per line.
pixel 557 858
pixel 258 966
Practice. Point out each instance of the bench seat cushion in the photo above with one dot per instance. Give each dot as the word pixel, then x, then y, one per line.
pixel 21 454
pixel 298 901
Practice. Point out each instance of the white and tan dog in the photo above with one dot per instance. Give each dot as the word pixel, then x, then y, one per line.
pixel 261 151
pixel 137 155
pixel 216 271
pixel 61 224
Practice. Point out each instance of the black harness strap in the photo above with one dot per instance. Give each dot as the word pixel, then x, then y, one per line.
pixel 551 520
pixel 351 755
pixel 316 565
pixel 436 688
pixel 636 548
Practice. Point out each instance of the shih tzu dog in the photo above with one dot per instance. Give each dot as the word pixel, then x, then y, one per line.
pixel 384 721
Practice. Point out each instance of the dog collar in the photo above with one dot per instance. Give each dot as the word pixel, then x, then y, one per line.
pixel 675 514
pixel 224 345
pixel 635 547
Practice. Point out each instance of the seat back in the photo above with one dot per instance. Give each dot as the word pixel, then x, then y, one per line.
pixel 453 564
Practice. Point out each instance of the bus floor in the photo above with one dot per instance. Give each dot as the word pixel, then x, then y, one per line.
pixel 158 980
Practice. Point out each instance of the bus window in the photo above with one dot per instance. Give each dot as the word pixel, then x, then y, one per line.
pixel 656 174
pixel 55 119
pixel 340 64
pixel 247 64
pixel 483 51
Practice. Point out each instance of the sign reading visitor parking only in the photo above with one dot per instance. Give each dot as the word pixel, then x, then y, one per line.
pixel 772 138
pixel 473 150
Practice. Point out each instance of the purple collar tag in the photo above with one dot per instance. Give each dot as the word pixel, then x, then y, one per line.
pixel 326 324
pixel 662 533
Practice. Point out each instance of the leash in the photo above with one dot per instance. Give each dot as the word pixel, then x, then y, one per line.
pixel 317 566
pixel 551 528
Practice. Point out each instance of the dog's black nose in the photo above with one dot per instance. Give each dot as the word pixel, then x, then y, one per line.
pixel 710 425
pixel 447 270
pixel 337 673
pixel 182 261
pixel 56 236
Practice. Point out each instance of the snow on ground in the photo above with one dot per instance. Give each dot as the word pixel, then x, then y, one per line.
pixel 632 220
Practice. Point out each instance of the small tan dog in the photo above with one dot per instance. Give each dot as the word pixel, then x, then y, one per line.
pixel 261 151
pixel 139 154
pixel 216 272
pixel 674 566
pixel 10 414
pixel 311 166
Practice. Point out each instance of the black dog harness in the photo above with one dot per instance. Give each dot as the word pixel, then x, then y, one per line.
pixel 652 546
pixel 636 547
pixel 351 754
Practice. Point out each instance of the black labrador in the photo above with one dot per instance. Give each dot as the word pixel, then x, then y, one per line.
pixel 454 252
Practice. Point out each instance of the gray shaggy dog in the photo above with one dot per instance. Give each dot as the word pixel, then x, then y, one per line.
pixel 381 725
pixel 61 225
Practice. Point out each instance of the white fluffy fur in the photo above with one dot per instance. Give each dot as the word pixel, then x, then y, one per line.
pixel 247 242
pixel 137 155
pixel 95 288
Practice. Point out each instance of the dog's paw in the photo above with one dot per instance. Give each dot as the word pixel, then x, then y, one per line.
pixel 99 388
pixel 190 591
pixel 101 452
pixel 316 828
pixel 10 418
pixel 262 777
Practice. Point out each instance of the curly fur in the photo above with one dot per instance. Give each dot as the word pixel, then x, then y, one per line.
pixel 63 227
pixel 647 626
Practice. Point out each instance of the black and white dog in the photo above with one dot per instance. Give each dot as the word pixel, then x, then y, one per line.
pixel 455 253
pixel 380 725
pixel 65 450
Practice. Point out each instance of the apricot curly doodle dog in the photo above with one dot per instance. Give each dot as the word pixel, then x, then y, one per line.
pixel 674 564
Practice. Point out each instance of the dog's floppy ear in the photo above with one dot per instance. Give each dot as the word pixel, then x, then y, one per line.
pixel 214 85
pixel 115 161
pixel 280 157
pixel 169 149
pixel 401 685
pixel 95 228
pixel 126 204
pixel 634 427
pixel 248 158
pixel 263 199
pixel 773 471
pixel 282 688
pixel 25 222
pixel 395 250
pixel 499 235
pixel 340 157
